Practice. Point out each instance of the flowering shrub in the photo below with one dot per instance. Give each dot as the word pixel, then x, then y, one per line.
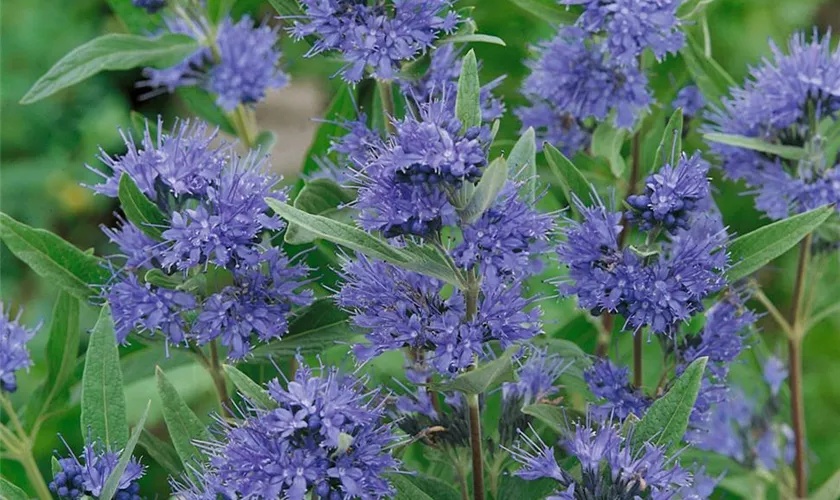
pixel 375 328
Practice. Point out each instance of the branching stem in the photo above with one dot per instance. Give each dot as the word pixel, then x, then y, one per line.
pixel 797 402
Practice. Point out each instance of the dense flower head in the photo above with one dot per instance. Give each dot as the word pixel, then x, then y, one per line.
pixel 609 467
pixel 440 81
pixel 573 81
pixel 781 102
pixel 537 377
pixel 208 275
pixel 325 433
pixel 150 6
pixel 690 100
pixel 87 477
pixel 610 384
pixel 672 195
pixel 190 71
pixel 774 373
pixel 14 355
pixel 404 180
pixel 374 36
pixel 659 291
pixel 632 26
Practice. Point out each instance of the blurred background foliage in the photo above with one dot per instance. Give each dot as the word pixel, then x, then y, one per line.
pixel 44 149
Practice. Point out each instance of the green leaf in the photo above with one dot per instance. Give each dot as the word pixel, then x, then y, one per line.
pixel 514 487
pixel 487 190
pixel 103 399
pixel 159 278
pixel 476 38
pixel 341 108
pixel 140 123
pixel 666 421
pixel 8 491
pixel 713 81
pixel 313 330
pixel 203 105
pixel 751 251
pixel 266 141
pixel 606 143
pixel 161 452
pixel 406 489
pixel 113 481
pixel 139 209
pixel 548 10
pixel 286 8
pixel 218 9
pixel 136 21
pixel 55 466
pixel 183 425
pixel 60 354
pixel 54 259
pixel 320 197
pixel 250 389
pixel 788 152
pixel 570 178
pixel 468 99
pixel 213 280
pixel 553 415
pixel 522 161
pixel 485 377
pixel 670 147
pixel 412 257
pixel 433 487
pixel 111 52
pixel 830 490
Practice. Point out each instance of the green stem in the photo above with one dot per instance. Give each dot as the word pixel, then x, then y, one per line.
pixel 386 95
pixel 797 402
pixel 216 373
pixel 471 297
pixel 242 122
pixel 23 452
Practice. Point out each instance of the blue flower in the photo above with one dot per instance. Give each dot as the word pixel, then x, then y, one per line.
pixel 537 377
pixel 150 6
pixel 690 99
pixel 147 309
pixel 775 373
pixel 610 384
pixel 773 105
pixel 374 37
pixel 672 195
pixel 572 81
pixel 248 63
pixel 138 249
pixel 326 434
pixel 76 479
pixel 190 71
pixel 632 26
pixel 14 355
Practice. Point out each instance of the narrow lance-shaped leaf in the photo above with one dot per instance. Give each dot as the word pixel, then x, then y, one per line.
pixel 202 104
pixel 139 209
pixel 788 152
pixel 714 82
pixel 476 38
pixel 670 147
pixel 570 178
pixel 666 421
pixel 320 197
pixel 184 426
pixel 830 490
pixel 548 10
pixel 9 491
pixel 431 486
pixel 54 259
pixel 487 190
pixel 468 99
pixel 161 452
pixel 103 399
pixel 137 21
pixel 522 162
pixel 750 252
pixel 553 415
pixel 486 376
pixel 606 142
pixel 250 389
pixel 312 330
pixel 406 489
pixel 111 53
pixel 113 481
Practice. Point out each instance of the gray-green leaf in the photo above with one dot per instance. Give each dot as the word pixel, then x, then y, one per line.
pixel 113 481
pixel 754 143
pixel 487 190
pixel 139 209
pixel 103 399
pixel 548 10
pixel 320 197
pixel 111 52
pixel 552 415
pixel 753 250
pixel 406 489
pixel 606 142
pixel 468 99
pixel 161 452
pixel 54 259
pixel 666 421
pixel 250 389
pixel 476 38
pixel 9 491
pixel 570 178
pixel 184 426
pixel 522 161
pixel 830 490
pixel 314 329
pixel 485 377
pixel 712 80
pixel 670 147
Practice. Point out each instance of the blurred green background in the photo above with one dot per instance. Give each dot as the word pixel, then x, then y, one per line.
pixel 44 149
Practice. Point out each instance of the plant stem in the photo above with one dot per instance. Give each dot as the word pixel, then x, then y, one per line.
pixel 637 358
pixel 475 442
pixel 386 95
pixel 242 123
pixel 215 369
pixel 797 402
pixel 23 452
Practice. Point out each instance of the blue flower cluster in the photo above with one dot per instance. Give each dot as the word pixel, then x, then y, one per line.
pixel 659 290
pixel 782 102
pixel 573 81
pixel 374 36
pixel 609 468
pixel 238 66
pixel 611 386
pixel 325 435
pixel 14 355
pixel 214 279
pixel 76 479
pixel 672 196
pixel 690 99
pixel 536 377
pixel 150 6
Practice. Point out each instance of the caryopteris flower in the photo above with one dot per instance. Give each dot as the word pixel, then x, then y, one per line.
pixel 208 275
pixel 783 101
pixel 632 26
pixel 609 466
pixel 690 99
pixel 537 377
pixel 374 36
pixel 611 386
pixel 325 433
pixel 150 6
pixel 87 477
pixel 14 355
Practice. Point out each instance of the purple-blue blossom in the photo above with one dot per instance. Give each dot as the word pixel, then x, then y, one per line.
pixel 325 433
pixel 632 26
pixel 150 6
pixel 87 477
pixel 537 377
pixel 773 105
pixel 615 395
pixel 14 355
pixel 775 373
pixel 690 99
pixel 147 309
pixel 375 38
